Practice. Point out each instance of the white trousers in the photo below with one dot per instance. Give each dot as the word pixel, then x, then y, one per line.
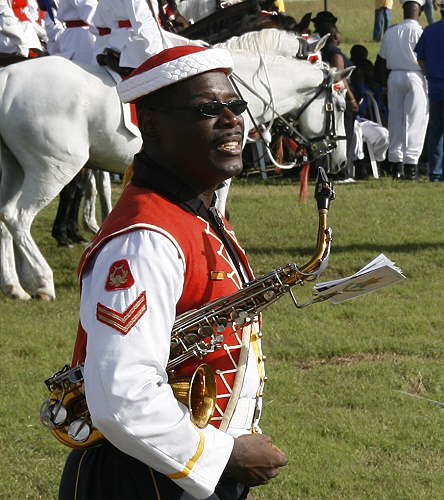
pixel 408 115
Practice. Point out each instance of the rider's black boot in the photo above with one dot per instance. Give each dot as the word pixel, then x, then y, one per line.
pixel 397 170
pixel 411 171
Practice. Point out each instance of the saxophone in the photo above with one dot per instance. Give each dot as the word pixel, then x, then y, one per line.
pixel 195 334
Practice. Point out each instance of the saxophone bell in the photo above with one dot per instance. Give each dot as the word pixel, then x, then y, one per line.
pixel 198 393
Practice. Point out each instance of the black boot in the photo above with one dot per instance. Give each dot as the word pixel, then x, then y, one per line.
pixel 411 171
pixel 397 169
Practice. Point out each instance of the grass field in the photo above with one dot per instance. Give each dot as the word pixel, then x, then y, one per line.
pixel 332 400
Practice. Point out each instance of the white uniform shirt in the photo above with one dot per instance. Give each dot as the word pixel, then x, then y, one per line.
pixel 13 39
pixel 398 45
pixel 127 387
pixel 53 31
pixel 144 38
pixel 32 12
pixel 77 10
pixel 77 43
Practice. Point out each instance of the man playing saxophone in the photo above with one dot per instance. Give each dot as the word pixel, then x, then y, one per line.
pixel 163 251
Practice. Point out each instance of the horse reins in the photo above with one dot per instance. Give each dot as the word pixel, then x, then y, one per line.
pixel 317 147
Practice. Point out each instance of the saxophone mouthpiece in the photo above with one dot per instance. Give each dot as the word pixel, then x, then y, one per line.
pixel 324 190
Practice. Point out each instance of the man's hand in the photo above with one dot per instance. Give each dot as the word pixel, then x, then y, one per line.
pixel 254 460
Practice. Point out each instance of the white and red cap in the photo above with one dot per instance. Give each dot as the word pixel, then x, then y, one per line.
pixel 421 3
pixel 171 66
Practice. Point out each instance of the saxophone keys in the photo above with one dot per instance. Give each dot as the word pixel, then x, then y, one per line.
pixel 53 414
pixel 79 430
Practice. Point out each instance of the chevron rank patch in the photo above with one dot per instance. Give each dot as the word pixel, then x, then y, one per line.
pixel 119 276
pixel 125 320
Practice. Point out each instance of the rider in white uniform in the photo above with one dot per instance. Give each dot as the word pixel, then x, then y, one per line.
pixel 407 92
pixel 12 34
pixel 16 36
pixel 134 31
pixel 53 31
pixel 77 41
pixel 34 24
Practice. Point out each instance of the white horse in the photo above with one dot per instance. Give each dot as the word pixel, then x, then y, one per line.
pixel 273 41
pixel 70 116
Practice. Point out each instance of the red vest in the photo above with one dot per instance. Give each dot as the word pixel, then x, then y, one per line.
pixel 206 262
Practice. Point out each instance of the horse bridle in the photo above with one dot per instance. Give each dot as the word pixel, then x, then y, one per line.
pixel 316 147
pixel 324 144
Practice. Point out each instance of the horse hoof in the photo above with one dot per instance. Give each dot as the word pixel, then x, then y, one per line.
pixel 17 293
pixel 45 297
pixel 20 296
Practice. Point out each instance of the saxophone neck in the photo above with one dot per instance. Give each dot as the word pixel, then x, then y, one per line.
pixel 324 191
pixel 324 194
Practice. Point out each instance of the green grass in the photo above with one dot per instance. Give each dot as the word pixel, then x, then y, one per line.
pixel 332 401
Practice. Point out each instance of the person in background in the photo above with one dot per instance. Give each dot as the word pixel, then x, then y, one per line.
pixel 13 41
pixel 53 27
pixel 364 82
pixel 323 22
pixel 383 18
pixel 429 51
pixel 407 92
pixel 333 55
pixel 428 10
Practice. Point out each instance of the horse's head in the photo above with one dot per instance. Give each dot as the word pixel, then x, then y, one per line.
pixel 321 119
pixel 275 86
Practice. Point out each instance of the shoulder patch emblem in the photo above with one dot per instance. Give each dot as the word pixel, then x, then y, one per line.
pixel 123 321
pixel 119 276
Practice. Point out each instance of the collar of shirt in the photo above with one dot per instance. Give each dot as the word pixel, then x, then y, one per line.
pixel 411 21
pixel 165 181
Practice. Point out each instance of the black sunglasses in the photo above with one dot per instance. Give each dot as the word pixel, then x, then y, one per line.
pixel 210 109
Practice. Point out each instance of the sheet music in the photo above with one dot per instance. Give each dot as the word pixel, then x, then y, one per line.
pixel 378 273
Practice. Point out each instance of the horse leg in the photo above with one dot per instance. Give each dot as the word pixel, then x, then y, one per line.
pixel 11 180
pixel 25 189
pixel 98 181
pixel 103 181
pixel 73 214
pixel 9 280
pixel 89 205
pixel 34 273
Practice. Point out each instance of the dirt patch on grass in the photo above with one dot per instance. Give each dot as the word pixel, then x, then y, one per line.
pixel 352 359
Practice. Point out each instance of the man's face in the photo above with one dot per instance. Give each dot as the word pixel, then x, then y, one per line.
pixel 203 151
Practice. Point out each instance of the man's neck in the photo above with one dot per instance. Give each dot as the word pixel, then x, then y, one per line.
pixel 207 197
pixel 203 192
